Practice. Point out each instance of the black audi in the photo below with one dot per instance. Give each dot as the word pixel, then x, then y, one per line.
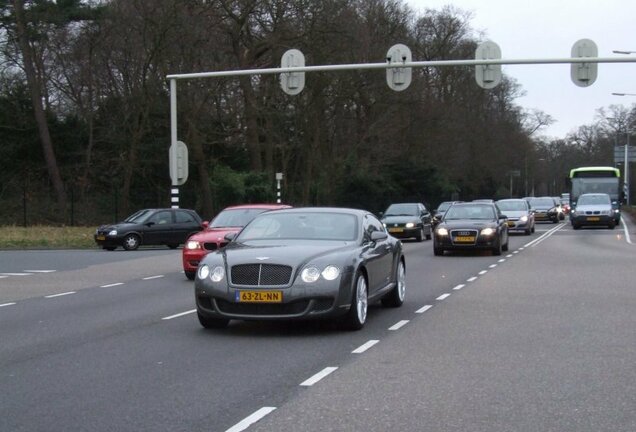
pixel 302 263
pixel 472 225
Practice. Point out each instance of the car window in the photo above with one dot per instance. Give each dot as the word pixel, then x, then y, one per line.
pixel 184 217
pixel 512 205
pixel 300 225
pixel 594 199
pixel 402 210
pixel 478 212
pixel 139 217
pixel 371 224
pixel 235 217
pixel 161 218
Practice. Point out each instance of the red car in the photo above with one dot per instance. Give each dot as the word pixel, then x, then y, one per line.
pixel 230 220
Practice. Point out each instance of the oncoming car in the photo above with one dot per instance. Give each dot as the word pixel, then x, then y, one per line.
pixel 520 216
pixel 229 220
pixel 408 220
pixel 593 209
pixel 304 263
pixel 473 225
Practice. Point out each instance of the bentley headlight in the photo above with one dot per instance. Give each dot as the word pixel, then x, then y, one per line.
pixel 218 273
pixel 191 244
pixel 112 232
pixel 487 231
pixel 442 231
pixel 330 272
pixel 410 225
pixel 310 274
pixel 204 271
pixel 523 218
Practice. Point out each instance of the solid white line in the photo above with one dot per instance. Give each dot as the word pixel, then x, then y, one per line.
pixel 152 277
pixel 398 325
pixel 629 240
pixel 423 309
pixel 458 287
pixel 60 295
pixel 40 271
pixel 364 347
pixel 443 297
pixel 16 274
pixel 179 314
pixel 112 285
pixel 492 266
pixel 7 304
pixel 544 236
pixel 320 375
pixel 472 279
pixel 251 419
pixel 483 272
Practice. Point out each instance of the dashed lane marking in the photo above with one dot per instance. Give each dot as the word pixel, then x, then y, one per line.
pixel 251 419
pixel 365 346
pixel 320 375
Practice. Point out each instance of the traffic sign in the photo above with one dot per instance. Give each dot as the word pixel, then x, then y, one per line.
pixel 292 83
pixel 619 154
pixel 488 76
pixel 398 78
pixel 178 163
pixel 584 74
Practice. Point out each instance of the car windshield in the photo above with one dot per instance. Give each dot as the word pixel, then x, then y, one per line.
pixel 297 225
pixel 512 205
pixel 541 202
pixel 401 210
pixel 139 217
pixel 444 206
pixel 480 212
pixel 594 199
pixel 235 217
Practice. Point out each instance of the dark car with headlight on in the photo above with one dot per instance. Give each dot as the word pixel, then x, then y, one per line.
pixel 302 263
pixel 408 220
pixel 545 209
pixel 473 225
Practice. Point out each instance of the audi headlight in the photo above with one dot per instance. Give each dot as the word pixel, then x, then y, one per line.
pixel 310 274
pixel 487 231
pixel 112 232
pixel 410 225
pixel 330 272
pixel 217 274
pixel 442 231
pixel 191 244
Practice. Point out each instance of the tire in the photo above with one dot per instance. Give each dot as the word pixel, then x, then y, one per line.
pixel 528 231
pixel 576 226
pixel 420 235
pixel 212 323
pixel 131 242
pixel 611 225
pixel 505 247
pixel 357 315
pixel 173 245
pixel 395 298
pixel 497 249
pixel 190 275
pixel 532 228
pixel 430 233
pixel 109 248
pixel 438 251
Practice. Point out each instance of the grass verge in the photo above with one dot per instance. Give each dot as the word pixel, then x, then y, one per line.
pixel 45 237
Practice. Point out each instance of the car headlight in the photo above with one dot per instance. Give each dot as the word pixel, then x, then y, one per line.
pixel 330 272
pixel 442 231
pixel 204 271
pixel 617 211
pixel 384 224
pixel 410 225
pixel 487 231
pixel 191 244
pixel 523 218
pixel 217 274
pixel 310 274
pixel 112 232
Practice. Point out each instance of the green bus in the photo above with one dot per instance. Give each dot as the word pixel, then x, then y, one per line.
pixel 597 180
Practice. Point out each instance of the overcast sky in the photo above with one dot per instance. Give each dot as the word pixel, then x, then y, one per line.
pixel 548 29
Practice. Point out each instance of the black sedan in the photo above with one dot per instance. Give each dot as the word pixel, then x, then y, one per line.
pixel 471 225
pixel 303 263
pixel 163 226
pixel 545 209
pixel 406 220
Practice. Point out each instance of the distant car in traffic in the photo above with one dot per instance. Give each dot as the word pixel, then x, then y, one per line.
pixel 593 209
pixel 408 220
pixel 471 225
pixel 302 263
pixel 440 210
pixel 161 226
pixel 229 220
pixel 545 209
pixel 520 215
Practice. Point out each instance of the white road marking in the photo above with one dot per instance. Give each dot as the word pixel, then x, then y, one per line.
pixel 2 277
pixel 152 277
pixel 61 294
pixel 251 419
pixel 40 271
pixel 320 375
pixel 472 279
pixel 458 287
pixel 544 236
pixel 179 314
pixel 443 297
pixel 483 272
pixel 364 347
pixel 629 240
pixel 398 325
pixel 7 304
pixel 502 260
pixel 112 285
pixel 492 266
pixel 16 274
pixel 423 309
pixel 516 252
pixel 509 256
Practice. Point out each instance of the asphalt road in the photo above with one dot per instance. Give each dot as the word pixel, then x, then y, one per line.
pixel 539 339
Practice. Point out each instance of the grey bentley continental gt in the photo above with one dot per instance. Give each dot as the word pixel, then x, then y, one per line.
pixel 302 263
